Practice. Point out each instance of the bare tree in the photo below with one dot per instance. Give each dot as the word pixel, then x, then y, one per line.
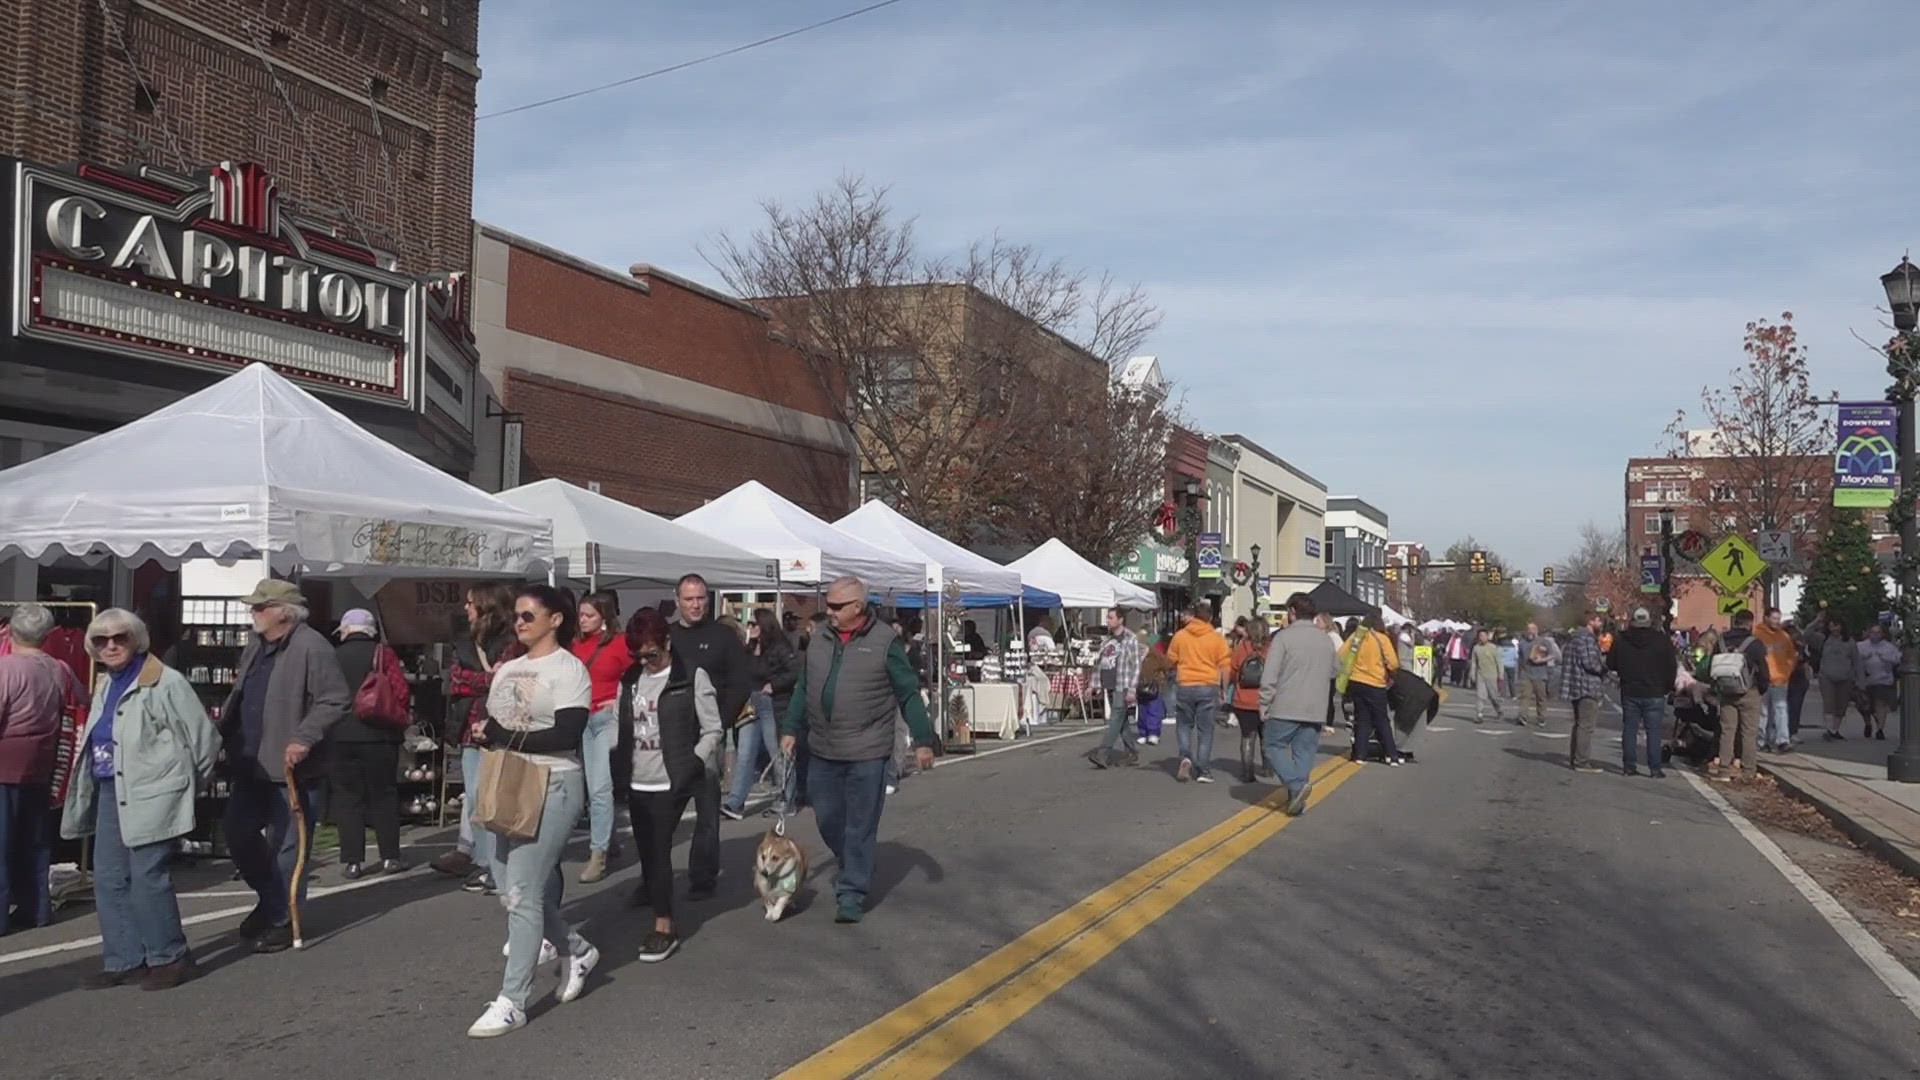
pixel 1603 566
pixel 1769 443
pixel 947 371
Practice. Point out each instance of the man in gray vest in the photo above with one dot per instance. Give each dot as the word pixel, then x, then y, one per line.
pixel 854 680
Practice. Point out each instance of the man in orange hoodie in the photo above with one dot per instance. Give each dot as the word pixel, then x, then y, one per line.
pixel 1782 657
pixel 1202 666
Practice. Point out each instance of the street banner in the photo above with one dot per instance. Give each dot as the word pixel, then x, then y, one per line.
pixel 1653 571
pixel 1212 544
pixel 1866 468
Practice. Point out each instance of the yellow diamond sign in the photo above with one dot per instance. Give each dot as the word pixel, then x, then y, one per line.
pixel 1732 605
pixel 1733 564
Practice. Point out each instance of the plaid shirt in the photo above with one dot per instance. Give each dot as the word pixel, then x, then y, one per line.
pixel 1583 667
pixel 1127 656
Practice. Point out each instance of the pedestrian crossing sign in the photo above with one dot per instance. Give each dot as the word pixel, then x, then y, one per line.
pixel 1732 605
pixel 1733 564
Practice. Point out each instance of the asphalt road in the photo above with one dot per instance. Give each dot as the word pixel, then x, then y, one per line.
pixel 1483 913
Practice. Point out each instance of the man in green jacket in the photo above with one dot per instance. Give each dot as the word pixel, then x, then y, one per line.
pixel 853 682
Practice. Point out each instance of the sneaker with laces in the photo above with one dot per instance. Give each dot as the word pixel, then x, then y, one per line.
pixel 501 1017
pixel 1204 776
pixel 548 954
pixel 1185 772
pixel 481 883
pixel 731 812
pixel 659 945
pixel 579 966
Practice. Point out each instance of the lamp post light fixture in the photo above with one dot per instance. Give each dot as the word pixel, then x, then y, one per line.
pixel 1902 285
pixel 1666 569
pixel 1191 513
pixel 1253 578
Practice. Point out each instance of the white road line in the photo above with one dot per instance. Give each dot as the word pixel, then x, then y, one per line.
pixel 313 893
pixel 1553 734
pixel 1430 727
pixel 1902 982
pixel 1496 731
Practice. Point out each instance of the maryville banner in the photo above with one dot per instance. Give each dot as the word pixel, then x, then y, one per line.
pixel 1866 469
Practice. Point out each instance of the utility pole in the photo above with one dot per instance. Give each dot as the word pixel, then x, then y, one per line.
pixel 1666 569
pixel 1903 364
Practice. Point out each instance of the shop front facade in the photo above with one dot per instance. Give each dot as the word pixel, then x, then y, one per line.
pixel 128 290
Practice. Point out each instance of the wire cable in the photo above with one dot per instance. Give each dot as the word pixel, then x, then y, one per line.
pixel 683 65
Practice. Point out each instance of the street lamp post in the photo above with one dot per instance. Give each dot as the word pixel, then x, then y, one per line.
pixel 1191 512
pixel 1903 299
pixel 1666 569
pixel 1253 578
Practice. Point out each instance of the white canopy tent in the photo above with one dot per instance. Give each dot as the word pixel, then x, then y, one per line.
pixel 947 562
pixel 1057 568
pixel 809 551
pixel 253 465
pixel 1387 615
pixel 607 541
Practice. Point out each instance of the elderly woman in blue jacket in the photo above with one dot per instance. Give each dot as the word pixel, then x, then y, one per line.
pixel 146 749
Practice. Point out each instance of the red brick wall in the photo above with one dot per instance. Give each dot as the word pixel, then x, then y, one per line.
pixel 68 95
pixel 662 460
pixel 674 330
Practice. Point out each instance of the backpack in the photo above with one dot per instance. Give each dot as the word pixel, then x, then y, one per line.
pixel 384 699
pixel 1729 672
pixel 1251 670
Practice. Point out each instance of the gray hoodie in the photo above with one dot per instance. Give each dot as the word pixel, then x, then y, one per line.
pixel 1840 660
pixel 1298 680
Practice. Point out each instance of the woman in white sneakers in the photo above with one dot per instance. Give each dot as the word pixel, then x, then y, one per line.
pixel 537 708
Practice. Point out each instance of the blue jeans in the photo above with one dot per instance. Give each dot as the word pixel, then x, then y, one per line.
pixel 1637 713
pixel 477 843
pixel 527 873
pixel 756 736
pixel 596 754
pixel 133 893
pixel 1775 714
pixel 26 847
pixel 847 797
pixel 261 840
pixel 1292 747
pixel 1193 709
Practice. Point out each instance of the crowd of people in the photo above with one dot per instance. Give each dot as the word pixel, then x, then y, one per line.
pixel 585 707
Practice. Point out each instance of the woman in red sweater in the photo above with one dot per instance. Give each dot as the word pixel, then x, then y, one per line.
pixel 603 649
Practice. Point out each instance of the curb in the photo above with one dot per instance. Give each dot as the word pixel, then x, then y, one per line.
pixel 1866 837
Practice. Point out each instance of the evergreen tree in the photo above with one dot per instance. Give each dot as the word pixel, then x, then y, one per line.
pixel 1845 579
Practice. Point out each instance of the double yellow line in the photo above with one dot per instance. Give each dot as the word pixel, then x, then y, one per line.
pixel 928 1035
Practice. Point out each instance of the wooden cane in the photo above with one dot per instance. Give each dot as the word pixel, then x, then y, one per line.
pixel 300 858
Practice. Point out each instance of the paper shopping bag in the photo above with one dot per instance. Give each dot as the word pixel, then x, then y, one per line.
pixel 510 795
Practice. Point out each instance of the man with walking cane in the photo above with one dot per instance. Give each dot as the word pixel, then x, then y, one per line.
pixel 287 695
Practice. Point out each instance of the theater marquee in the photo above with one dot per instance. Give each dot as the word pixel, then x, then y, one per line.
pixel 208 274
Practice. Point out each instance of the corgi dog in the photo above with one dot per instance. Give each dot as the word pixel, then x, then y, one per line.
pixel 779 869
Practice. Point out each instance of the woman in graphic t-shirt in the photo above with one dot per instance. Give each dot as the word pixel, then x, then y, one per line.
pixel 669 742
pixel 537 708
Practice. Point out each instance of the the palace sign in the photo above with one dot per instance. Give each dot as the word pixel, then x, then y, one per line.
pixel 208 274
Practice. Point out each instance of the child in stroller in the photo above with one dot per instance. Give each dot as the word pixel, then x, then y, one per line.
pixel 1696 730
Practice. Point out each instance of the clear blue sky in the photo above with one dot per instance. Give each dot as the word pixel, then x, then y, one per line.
pixel 1462 263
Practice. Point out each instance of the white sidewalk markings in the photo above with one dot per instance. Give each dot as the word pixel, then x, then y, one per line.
pixel 1902 982
pixel 314 892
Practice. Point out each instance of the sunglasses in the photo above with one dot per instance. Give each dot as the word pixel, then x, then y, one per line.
pixel 526 616
pixel 841 606
pixel 258 608
pixel 103 640
pixel 648 657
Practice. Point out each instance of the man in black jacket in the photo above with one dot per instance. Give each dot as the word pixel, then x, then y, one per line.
pixel 704 645
pixel 1646 662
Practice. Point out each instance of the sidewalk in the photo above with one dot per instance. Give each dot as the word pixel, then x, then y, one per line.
pixel 1847 781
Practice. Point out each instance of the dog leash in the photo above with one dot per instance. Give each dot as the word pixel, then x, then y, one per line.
pixel 783 807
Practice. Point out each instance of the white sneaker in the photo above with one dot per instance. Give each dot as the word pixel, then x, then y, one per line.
pixel 548 954
pixel 579 966
pixel 500 1018
pixel 892 789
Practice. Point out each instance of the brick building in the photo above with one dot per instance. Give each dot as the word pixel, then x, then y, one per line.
pixel 198 185
pixel 1407 595
pixel 661 391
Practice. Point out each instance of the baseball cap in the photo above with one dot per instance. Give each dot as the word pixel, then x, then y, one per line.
pixel 1641 617
pixel 355 619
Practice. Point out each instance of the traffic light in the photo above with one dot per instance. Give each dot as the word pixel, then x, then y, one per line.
pixel 1413 563
pixel 1392 573
pixel 1493 576
pixel 1546 577
pixel 1477 562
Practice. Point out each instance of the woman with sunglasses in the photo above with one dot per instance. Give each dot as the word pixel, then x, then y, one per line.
pixel 537 708
pixel 669 742
pixel 146 749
